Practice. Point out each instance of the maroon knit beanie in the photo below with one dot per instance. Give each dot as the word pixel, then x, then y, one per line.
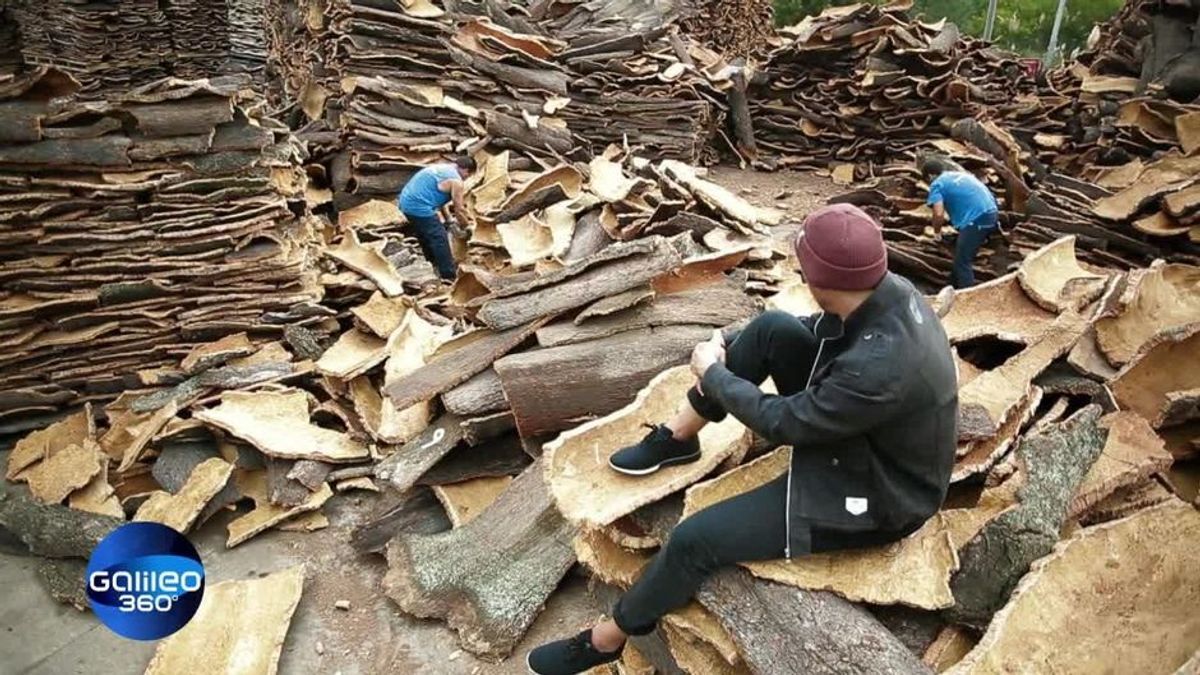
pixel 841 247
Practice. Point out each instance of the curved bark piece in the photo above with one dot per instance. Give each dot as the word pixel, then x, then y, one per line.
pixel 51 530
pixel 1131 585
pixel 180 510
pixel 276 422
pixel 914 571
pixel 239 627
pixel 71 430
pixel 1054 279
pixel 1165 365
pixel 1132 453
pixel 1168 297
pixel 988 400
pixel 591 494
pixel 976 457
pixel 1051 466
pixel 489 578
pixel 997 308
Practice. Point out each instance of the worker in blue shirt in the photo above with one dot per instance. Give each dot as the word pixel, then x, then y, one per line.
pixel 424 200
pixel 970 207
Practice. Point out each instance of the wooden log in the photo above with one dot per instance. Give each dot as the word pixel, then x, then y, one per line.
pixel 405 466
pixel 779 629
pixel 415 511
pixel 1053 464
pixel 51 530
pixel 555 388
pixel 596 282
pixel 489 578
pixel 477 352
pixel 477 396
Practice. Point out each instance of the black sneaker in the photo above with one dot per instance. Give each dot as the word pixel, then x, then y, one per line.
pixel 658 449
pixel 570 656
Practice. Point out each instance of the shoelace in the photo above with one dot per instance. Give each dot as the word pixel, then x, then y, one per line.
pixel 580 645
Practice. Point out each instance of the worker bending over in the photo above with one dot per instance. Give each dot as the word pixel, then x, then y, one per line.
pixel 867 400
pixel 971 208
pixel 423 201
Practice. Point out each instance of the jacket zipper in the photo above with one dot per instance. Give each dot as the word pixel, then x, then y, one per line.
pixel 787 514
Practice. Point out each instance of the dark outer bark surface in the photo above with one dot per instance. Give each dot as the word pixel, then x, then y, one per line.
pixel 542 139
pixel 407 464
pixel 63 578
pixel 589 238
pixel 415 511
pixel 481 429
pixel 477 396
pixel 547 196
pixel 310 473
pixel 281 489
pixel 501 457
pixel 915 628
pixel 53 531
pixel 615 303
pixel 645 246
pixel 490 578
pixel 176 462
pixel 1053 463
pixel 739 111
pixel 783 630
pixel 455 367
pixel 553 389
pixel 593 284
pixel 715 305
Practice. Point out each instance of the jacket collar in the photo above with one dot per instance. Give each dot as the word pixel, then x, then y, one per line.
pixel 891 292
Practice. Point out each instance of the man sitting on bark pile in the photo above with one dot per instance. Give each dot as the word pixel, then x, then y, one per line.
pixel 867 399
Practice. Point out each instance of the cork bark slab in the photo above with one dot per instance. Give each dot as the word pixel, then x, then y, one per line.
pixel 276 422
pixel 988 400
pixel 998 308
pixel 380 314
pixel 368 262
pixel 71 430
pixel 180 510
pixel 1131 454
pixel 466 500
pixel 1118 597
pixel 129 432
pixel 265 515
pixel 914 571
pixel 64 471
pixel 951 646
pixel 354 353
pixel 1168 297
pixel 1167 364
pixel 1054 279
pixel 212 354
pixel 976 457
pixel 589 493
pixel 240 627
pixel 98 496
pixel 490 578
pixel 1050 467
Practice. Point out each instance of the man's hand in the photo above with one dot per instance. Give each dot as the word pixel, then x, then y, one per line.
pixel 707 353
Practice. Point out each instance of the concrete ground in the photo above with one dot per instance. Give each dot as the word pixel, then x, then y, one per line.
pixel 42 637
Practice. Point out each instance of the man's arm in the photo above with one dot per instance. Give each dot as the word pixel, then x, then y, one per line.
pixel 838 407
pixel 939 214
pixel 458 204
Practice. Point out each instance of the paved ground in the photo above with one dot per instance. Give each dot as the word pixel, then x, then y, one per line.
pixel 40 636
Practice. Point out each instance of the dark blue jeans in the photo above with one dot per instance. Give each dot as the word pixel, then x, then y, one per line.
pixel 435 244
pixel 970 239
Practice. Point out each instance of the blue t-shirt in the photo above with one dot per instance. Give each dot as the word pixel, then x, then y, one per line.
pixel 966 198
pixel 421 196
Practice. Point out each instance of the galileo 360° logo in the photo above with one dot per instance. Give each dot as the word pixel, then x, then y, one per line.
pixel 145 581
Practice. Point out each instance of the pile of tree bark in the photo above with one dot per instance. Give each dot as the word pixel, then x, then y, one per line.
pixel 113 45
pixel 136 229
pixel 1148 46
pixel 864 82
pixel 744 28
pixel 400 85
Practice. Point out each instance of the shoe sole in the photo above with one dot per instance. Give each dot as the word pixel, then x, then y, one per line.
pixel 686 459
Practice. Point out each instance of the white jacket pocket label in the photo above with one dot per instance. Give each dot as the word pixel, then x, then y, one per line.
pixel 856 505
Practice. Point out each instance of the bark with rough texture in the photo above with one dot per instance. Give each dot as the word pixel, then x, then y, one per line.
pixel 51 530
pixel 1051 465
pixel 416 511
pixel 553 389
pixel 779 629
pixel 405 466
pixel 500 457
pixel 490 578
pixel 455 367
pixel 479 395
pixel 63 578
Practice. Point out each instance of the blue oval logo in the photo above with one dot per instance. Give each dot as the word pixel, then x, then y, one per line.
pixel 145 581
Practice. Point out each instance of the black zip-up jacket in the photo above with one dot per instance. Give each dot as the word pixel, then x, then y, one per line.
pixel 874 435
